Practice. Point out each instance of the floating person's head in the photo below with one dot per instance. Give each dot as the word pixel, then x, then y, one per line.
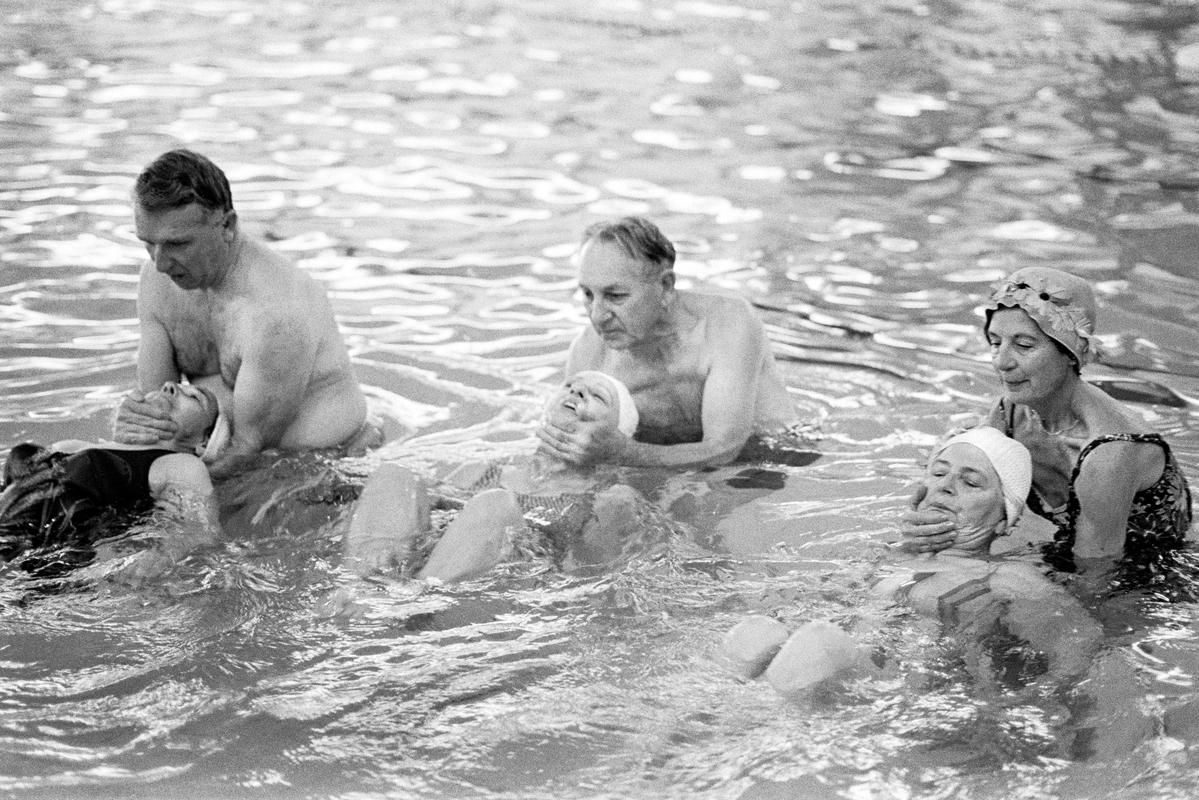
pixel 192 408
pixel 592 396
pixel 626 276
pixel 1038 306
pixel 980 478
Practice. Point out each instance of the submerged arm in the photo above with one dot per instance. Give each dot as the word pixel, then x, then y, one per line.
pixel 1049 618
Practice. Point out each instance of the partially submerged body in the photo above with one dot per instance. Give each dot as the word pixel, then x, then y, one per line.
pixel 715 366
pixel 531 497
pixel 219 308
pixel 698 365
pixel 67 494
pixel 1110 477
pixel 977 480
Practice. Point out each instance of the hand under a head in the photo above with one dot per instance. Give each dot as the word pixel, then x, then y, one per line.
pixel 924 530
pixel 192 410
pixel 972 489
pixel 589 420
pixel 139 422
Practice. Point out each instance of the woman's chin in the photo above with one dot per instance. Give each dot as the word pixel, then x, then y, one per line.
pixel 561 416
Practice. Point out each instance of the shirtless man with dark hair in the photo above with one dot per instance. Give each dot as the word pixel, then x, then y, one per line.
pixel 215 305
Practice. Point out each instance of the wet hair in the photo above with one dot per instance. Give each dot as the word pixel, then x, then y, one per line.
pixel 179 178
pixel 638 238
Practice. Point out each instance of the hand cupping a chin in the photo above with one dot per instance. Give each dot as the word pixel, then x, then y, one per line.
pixel 973 538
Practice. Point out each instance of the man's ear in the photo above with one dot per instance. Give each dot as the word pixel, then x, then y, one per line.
pixel 667 281
pixel 229 224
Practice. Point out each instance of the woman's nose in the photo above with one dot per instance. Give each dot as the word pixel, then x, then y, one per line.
pixel 1003 357
pixel 944 483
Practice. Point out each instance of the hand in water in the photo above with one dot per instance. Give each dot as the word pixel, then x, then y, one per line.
pixel 925 531
pixel 140 422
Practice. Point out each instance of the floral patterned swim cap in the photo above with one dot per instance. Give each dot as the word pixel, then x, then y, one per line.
pixel 1062 305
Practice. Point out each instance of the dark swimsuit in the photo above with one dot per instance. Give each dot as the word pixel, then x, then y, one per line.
pixel 67 499
pixel 977 617
pixel 1158 519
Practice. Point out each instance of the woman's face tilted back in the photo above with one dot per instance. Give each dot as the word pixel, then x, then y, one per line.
pixel 963 484
pixel 585 399
pixel 191 408
pixel 1031 366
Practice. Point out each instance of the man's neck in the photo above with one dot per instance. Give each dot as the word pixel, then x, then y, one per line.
pixel 233 265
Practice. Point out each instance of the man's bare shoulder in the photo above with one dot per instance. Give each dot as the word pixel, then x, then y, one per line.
pixel 724 314
pixel 725 305
pixel 279 285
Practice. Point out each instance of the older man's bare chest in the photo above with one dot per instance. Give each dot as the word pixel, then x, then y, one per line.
pixel 668 386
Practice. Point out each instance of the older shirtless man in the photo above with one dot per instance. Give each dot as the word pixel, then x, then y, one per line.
pixel 698 365
pixel 215 305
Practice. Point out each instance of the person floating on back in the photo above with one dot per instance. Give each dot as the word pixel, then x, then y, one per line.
pixel 594 525
pixel 978 480
pixel 57 502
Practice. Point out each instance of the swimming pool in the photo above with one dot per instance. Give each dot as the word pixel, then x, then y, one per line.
pixel 861 171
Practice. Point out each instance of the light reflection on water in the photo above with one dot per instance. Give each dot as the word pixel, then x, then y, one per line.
pixel 861 173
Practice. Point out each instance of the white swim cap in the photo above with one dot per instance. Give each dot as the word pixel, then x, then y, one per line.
pixel 218 439
pixel 627 417
pixel 1010 459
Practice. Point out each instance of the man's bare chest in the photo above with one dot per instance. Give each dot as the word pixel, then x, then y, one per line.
pixel 201 336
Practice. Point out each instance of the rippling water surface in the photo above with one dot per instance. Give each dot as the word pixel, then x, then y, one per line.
pixel 861 171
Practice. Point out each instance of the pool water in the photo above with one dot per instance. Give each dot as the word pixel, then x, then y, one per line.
pixel 862 172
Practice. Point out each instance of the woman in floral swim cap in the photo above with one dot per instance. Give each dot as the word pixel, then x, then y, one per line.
pixel 1109 483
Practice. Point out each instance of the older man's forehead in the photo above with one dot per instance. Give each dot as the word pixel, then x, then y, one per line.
pixel 602 261
pixel 171 220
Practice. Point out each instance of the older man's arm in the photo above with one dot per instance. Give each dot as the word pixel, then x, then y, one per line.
pixel 737 348
pixel 276 363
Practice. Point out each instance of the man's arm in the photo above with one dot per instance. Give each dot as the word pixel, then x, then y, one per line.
pixel 137 422
pixel 277 361
pixel 737 346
